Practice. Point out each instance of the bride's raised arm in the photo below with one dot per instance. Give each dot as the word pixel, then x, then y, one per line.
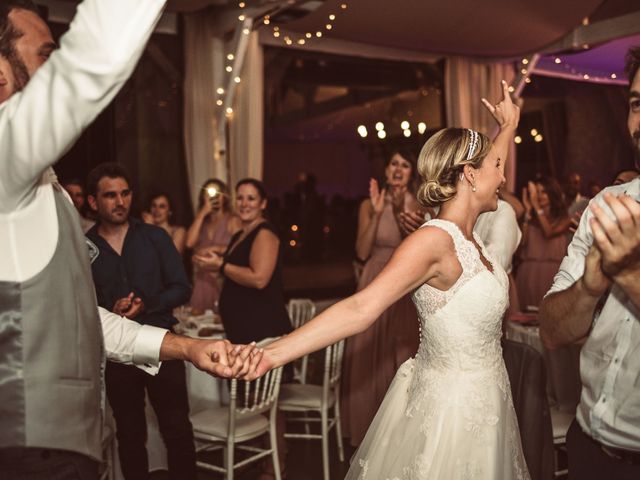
pixel 506 115
pixel 413 263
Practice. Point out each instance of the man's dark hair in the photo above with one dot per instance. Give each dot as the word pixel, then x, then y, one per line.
pixel 72 181
pixel 8 36
pixel 110 170
pixel 632 62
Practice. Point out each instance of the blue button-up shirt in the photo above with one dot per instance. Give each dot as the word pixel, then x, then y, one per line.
pixel 150 267
pixel 609 408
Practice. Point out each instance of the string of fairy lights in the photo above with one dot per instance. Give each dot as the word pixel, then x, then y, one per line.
pixel 288 38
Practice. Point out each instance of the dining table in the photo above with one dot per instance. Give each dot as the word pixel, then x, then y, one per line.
pixel 562 364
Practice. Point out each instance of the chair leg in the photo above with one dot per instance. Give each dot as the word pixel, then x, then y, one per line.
pixel 228 461
pixel 273 439
pixel 336 409
pixel 325 444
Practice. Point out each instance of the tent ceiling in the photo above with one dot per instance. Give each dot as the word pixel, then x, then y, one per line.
pixel 499 28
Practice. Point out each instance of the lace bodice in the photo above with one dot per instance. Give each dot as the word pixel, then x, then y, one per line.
pixel 461 327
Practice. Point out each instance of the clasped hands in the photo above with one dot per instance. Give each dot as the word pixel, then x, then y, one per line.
pixel 614 256
pixel 224 359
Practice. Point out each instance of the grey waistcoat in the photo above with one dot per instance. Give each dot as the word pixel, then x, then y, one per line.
pixel 51 350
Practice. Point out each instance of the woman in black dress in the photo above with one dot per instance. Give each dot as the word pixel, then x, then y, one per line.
pixel 252 300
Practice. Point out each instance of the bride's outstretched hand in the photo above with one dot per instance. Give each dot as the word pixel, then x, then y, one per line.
pixel 259 364
pixel 506 113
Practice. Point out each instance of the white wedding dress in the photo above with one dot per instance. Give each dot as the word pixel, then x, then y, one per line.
pixel 448 414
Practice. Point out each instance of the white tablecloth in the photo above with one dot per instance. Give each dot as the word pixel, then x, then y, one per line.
pixel 563 366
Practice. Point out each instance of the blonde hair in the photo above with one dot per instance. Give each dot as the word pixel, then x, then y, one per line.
pixel 441 161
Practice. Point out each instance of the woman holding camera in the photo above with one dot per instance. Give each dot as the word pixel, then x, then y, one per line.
pixel 211 231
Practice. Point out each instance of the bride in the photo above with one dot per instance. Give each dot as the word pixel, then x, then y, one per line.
pixel 448 413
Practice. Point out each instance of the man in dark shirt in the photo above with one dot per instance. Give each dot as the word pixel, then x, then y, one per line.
pixel 138 273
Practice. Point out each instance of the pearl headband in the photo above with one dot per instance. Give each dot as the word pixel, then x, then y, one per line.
pixel 473 143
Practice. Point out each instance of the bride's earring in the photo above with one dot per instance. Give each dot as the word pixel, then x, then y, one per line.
pixel 473 187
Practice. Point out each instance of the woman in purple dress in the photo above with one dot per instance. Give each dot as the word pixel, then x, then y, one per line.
pixel 211 231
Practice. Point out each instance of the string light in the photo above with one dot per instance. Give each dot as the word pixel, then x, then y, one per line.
pixel 220 91
pixel 379 126
pixel 422 127
pixel 230 57
pixel 557 60
pixel 404 125
pixel 241 18
pixel 237 79
pixel 538 138
pixel 614 76
pixel 406 133
pixel 228 68
pixel 518 139
pixel 241 4
pixel 534 132
pixel 302 40
pixel 382 134
pixel 362 131
pixel 525 61
pixel 219 102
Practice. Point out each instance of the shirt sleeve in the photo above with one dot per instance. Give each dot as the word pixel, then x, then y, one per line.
pixel 503 237
pixel 572 266
pixel 126 341
pixel 96 56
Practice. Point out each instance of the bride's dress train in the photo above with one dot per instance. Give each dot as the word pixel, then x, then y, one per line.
pixel 448 413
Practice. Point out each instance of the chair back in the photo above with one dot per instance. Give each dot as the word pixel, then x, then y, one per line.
pixel 256 396
pixel 332 367
pixel 301 310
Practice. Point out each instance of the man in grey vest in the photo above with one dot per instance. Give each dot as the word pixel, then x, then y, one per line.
pixel 53 337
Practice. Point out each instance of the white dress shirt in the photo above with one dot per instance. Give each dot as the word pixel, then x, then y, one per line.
pixel 39 124
pixel 500 233
pixel 609 408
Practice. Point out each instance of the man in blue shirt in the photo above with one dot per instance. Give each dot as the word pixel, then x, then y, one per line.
pixel 138 273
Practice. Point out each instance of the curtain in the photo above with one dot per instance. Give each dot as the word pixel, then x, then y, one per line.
pixel 246 126
pixel 466 82
pixel 203 72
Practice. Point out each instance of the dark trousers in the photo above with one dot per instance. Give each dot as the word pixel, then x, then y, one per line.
pixel 19 463
pixel 587 461
pixel 167 392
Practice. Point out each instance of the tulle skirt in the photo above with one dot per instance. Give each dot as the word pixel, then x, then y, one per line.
pixel 442 425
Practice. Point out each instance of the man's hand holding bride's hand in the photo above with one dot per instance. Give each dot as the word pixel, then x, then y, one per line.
pixel 505 112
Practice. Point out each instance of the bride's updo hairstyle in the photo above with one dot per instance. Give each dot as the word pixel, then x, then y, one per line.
pixel 442 160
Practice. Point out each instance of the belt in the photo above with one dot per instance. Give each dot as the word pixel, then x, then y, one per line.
pixel 626 456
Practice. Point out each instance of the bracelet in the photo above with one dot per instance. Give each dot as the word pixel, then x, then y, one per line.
pixel 224 264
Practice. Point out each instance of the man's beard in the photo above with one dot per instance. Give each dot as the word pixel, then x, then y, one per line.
pixel 635 138
pixel 19 70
